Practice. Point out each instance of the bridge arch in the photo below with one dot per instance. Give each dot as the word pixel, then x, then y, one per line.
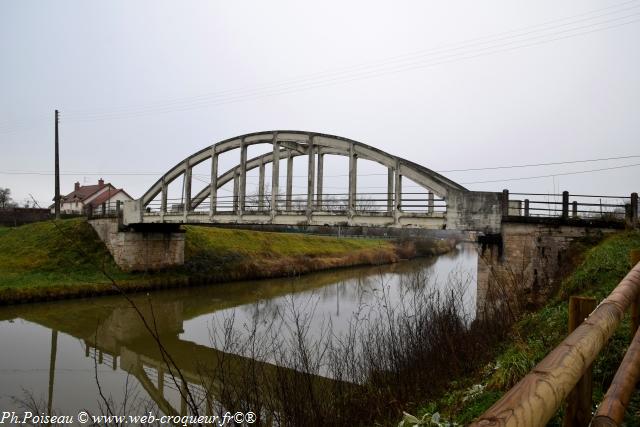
pixel 288 144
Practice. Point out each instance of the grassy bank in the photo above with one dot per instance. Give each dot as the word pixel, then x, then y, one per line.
pixel 50 260
pixel 599 270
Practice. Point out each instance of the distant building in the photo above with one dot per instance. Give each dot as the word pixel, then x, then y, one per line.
pixel 100 197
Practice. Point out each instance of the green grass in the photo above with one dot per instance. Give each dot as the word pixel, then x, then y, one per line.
pixel 537 333
pixel 271 245
pixel 43 254
pixel 52 258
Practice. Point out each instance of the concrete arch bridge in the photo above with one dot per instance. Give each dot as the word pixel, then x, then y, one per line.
pixel 441 203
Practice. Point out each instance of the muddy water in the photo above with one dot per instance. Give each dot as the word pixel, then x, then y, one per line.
pixel 62 356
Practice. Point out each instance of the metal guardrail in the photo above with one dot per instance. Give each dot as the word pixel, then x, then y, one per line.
pixel 537 397
pixel 571 206
pixel 364 203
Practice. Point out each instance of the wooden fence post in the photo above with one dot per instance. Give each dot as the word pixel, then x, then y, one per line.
pixel 578 412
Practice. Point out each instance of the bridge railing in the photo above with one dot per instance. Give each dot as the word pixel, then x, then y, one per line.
pixel 566 370
pixel 337 203
pixel 106 210
pixel 572 206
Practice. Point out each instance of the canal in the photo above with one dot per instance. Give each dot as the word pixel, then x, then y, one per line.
pixel 68 356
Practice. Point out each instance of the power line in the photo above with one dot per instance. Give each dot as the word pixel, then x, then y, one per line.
pixel 498 167
pixel 341 70
pixel 552 175
pixel 474 182
pixel 80 173
pixel 539 164
pixel 379 68
pixel 374 72
pixel 504 179
pixel 46 173
pixel 515 179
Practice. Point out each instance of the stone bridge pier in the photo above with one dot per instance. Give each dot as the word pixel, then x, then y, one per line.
pixel 522 265
pixel 147 247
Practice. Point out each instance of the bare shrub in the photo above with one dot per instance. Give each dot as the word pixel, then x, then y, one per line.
pixel 391 354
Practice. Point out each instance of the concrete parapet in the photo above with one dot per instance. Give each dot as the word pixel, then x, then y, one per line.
pixel 132 212
pixel 474 211
pixel 149 249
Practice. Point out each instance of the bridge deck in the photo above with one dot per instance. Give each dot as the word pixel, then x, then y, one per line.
pixel 433 221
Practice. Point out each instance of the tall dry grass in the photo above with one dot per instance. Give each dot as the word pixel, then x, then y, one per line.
pixel 393 354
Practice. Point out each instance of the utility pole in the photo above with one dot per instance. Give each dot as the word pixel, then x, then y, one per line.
pixel 52 367
pixel 57 161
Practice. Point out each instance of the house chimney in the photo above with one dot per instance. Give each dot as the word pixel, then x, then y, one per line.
pixel 76 186
pixel 101 183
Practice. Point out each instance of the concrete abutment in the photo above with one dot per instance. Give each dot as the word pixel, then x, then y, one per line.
pixel 521 265
pixel 142 249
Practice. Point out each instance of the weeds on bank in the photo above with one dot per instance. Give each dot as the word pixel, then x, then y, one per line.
pixel 390 353
pixel 537 333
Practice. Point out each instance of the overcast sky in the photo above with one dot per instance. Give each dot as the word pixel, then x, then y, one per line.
pixel 451 85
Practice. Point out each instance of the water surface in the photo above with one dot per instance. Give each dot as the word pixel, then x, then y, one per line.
pixel 58 355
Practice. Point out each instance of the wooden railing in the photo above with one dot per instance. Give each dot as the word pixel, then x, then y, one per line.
pixel 566 370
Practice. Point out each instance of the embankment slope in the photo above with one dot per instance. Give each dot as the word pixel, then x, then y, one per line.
pixel 65 259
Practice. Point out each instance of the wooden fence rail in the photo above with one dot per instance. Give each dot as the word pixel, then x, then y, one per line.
pixel 611 410
pixel 538 396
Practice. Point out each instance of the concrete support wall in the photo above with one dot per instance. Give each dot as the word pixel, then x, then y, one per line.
pixel 320 181
pixel 311 177
pixel 163 197
pixel 522 263
pixel 187 187
pixel 430 203
pixel 390 177
pixel 243 177
pixel 140 251
pixel 397 198
pixel 353 175
pixel 236 189
pixel 261 187
pixel 275 176
pixel 213 186
pixel 288 199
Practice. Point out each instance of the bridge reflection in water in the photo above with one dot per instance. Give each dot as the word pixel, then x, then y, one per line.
pixel 112 333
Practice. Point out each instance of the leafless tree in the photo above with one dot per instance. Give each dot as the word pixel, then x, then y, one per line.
pixel 252 199
pixel 5 198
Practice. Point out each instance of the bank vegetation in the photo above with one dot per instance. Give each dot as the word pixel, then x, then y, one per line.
pixel 594 271
pixel 65 259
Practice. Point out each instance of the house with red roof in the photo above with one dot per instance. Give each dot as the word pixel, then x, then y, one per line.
pixel 100 198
